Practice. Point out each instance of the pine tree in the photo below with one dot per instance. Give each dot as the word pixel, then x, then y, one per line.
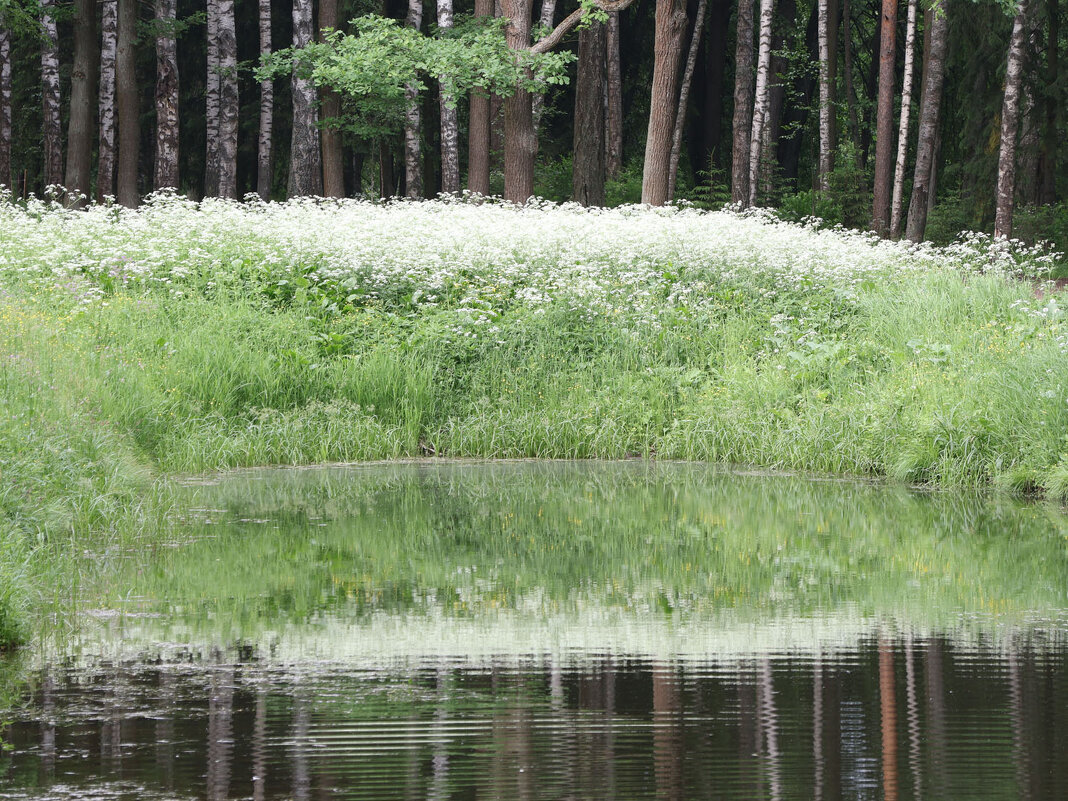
pixel 667 51
pixel 82 99
pixel 743 103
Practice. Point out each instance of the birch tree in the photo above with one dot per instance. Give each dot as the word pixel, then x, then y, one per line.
pixel 82 98
pixel 760 99
pixel 105 169
pixel 413 123
pixel 228 100
pixel 684 96
pixel 545 22
pixel 52 129
pixel 166 167
pixel 826 157
pixel 1010 122
pixel 927 140
pixel 885 122
pixel 5 104
pixel 305 165
pixel 212 87
pixel 450 129
pixel 667 52
pixel 263 142
pixel 903 127
pixel 743 103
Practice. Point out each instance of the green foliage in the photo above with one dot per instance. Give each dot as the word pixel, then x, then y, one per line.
pixel 712 190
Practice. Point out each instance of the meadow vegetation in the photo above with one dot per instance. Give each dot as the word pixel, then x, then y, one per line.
pixel 188 337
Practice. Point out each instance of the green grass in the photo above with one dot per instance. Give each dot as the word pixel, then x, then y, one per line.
pixel 948 377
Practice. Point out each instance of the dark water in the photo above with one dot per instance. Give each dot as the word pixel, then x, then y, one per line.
pixel 563 631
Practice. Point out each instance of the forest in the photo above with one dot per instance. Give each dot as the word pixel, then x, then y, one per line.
pixel 920 120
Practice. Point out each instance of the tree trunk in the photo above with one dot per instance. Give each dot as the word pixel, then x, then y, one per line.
pixel 5 105
pixel 826 158
pixel 82 98
pixel 305 163
pixel 127 98
pixel 545 20
pixel 614 113
pixel 667 51
pixel 263 147
pixel 413 123
pixel 330 108
pixel 684 97
pixel 166 172
pixel 228 100
pixel 934 69
pixel 1010 116
pixel 1047 169
pixel 588 164
pixel 450 128
pixel 52 127
pixel 478 129
pixel 743 103
pixel 880 218
pixel 757 143
pixel 212 88
pixel 1027 151
pixel 903 127
pixel 519 136
pixel 105 166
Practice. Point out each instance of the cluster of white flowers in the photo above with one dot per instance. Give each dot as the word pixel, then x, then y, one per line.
pixel 480 257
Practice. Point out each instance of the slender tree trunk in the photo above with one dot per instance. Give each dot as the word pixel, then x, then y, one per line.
pixel 1047 169
pixel 743 103
pixel 229 103
pixel 614 114
pixel 82 99
pixel 212 89
pixel 305 162
pixel 903 127
pixel 884 158
pixel 545 20
pixel 450 128
pixel 330 108
pixel 413 123
pixel 129 112
pixel 588 164
pixel 166 172
pixel 519 136
pixel 826 159
pixel 105 168
pixel 478 129
pixel 934 70
pixel 684 97
pixel 757 143
pixel 1010 119
pixel 263 149
pixel 667 51
pixel 52 128
pixel 5 104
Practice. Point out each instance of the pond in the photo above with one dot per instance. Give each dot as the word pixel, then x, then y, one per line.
pixel 449 630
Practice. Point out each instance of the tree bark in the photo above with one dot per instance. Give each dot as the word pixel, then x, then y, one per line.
pixel 519 135
pixel 903 127
pixel 880 218
pixel 684 97
pixel 614 113
pixel 105 167
pixel 1010 118
pixel 229 103
pixel 934 70
pixel 330 108
pixel 263 146
pixel 305 163
pixel 743 103
pixel 667 51
pixel 212 89
pixel 127 98
pixel 1047 161
pixel 826 157
pixel 413 123
pixel 757 142
pixel 545 20
pixel 450 128
pixel 478 129
pixel 5 104
pixel 52 126
pixel 588 163
pixel 82 99
pixel 166 172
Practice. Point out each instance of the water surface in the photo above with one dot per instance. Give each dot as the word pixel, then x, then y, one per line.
pixel 532 630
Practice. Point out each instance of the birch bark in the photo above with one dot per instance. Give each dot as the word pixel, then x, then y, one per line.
pixel 52 129
pixel 760 100
pixel 105 165
pixel 1010 122
pixel 903 127
pixel 166 167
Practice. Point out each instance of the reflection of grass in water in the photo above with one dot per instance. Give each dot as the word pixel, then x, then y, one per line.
pixel 636 538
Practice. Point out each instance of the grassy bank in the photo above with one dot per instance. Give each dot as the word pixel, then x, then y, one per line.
pixel 186 338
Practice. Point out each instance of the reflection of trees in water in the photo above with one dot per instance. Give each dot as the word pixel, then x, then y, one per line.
pixel 888 718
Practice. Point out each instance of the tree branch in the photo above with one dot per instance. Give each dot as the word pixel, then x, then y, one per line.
pixel 571 20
